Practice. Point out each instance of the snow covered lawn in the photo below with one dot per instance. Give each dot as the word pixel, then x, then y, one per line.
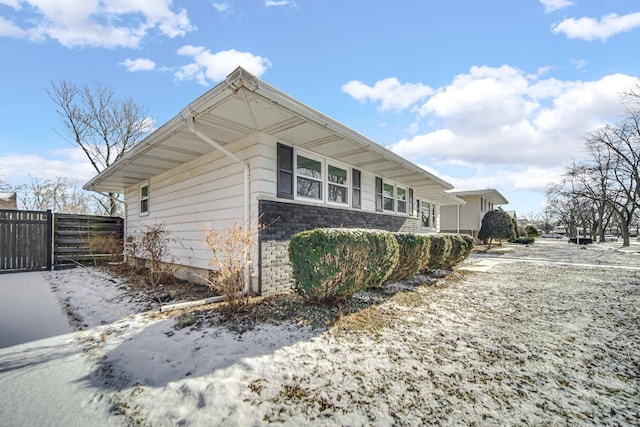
pixel 534 339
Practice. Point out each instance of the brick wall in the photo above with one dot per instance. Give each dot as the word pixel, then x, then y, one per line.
pixel 284 219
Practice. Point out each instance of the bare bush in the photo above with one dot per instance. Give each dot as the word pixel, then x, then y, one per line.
pixel 231 255
pixel 105 249
pixel 152 244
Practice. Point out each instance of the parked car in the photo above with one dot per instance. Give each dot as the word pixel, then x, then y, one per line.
pixel 553 236
pixel 610 239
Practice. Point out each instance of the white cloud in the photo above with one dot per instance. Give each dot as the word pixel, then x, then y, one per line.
pixel 590 29
pixel 139 64
pixel 279 3
pixel 500 116
pixel 579 63
pixel 105 23
pixel 221 7
pixel 214 67
pixel 391 94
pixel 8 28
pixel 553 5
pixel 532 178
pixel 69 163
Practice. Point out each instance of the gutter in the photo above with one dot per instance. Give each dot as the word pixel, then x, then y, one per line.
pixel 188 116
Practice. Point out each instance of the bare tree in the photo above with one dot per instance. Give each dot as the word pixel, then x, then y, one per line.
pixel 572 210
pixel 609 181
pixel 620 144
pixel 59 195
pixel 102 126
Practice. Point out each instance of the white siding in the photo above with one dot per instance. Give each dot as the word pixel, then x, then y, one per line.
pixel 207 191
pixel 470 215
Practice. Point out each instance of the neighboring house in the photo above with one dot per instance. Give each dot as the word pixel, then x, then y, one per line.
pixel 467 218
pixel 247 153
pixel 8 201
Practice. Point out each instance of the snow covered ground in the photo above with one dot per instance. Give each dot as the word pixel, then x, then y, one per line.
pixel 547 334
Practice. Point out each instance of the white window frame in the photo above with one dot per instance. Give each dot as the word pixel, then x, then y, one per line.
pixel 392 198
pixel 347 187
pixel 322 180
pixel 142 198
pixel 430 208
pixel 398 200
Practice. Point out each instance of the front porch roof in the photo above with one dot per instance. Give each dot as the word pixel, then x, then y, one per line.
pixel 243 104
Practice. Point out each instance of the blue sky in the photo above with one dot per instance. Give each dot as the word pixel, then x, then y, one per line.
pixel 498 93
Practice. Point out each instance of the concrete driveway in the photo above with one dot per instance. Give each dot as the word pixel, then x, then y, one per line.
pixel 29 310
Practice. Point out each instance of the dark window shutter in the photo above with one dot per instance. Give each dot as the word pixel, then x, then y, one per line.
pixel 411 201
pixel 357 190
pixel 285 171
pixel 378 194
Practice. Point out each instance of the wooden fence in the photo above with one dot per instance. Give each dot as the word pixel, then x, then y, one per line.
pixel 25 240
pixel 28 239
pixel 73 236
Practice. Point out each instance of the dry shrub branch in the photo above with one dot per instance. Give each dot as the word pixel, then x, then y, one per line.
pixel 152 244
pixel 231 255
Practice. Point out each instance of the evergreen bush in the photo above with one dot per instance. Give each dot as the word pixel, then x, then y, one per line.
pixel 334 263
pixel 414 255
pixel 496 224
pixel 461 247
pixel 439 253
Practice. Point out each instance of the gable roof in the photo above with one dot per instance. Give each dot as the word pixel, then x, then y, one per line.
pixel 490 194
pixel 241 105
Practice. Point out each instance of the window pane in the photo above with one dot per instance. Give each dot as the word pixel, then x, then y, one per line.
pixel 144 206
pixel 356 198
pixel 388 190
pixel 337 175
pixel 402 206
pixel 388 204
pixel 309 188
pixel 309 167
pixel 402 193
pixel 144 191
pixel 337 193
pixel 426 217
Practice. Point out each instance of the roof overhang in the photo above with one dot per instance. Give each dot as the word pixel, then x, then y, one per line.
pixel 491 194
pixel 242 105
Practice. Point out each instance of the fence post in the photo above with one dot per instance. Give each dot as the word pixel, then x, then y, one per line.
pixel 49 240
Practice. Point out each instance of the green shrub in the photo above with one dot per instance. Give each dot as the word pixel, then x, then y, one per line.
pixel 440 251
pixel 532 231
pixel 496 224
pixel 414 255
pixel 461 247
pixel 334 263
pixel 524 240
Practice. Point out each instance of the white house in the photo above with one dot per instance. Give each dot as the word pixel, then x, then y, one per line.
pixel 467 218
pixel 245 152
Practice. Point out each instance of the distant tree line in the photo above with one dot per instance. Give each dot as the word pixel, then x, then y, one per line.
pixel 603 192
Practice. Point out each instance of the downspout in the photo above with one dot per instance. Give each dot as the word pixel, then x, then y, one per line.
pixel 187 115
pixel 458 218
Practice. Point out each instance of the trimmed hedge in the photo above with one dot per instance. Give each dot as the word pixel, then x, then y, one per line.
pixel 414 254
pixel 524 240
pixel 334 263
pixel 461 247
pixel 440 251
